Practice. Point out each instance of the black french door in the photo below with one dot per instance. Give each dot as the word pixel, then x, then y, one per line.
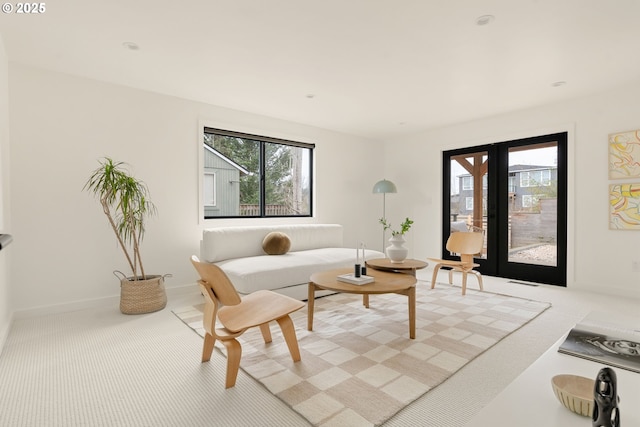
pixel 515 192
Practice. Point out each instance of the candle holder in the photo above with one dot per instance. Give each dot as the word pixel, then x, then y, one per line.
pixel 363 269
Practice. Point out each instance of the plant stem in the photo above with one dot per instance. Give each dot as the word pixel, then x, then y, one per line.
pixel 107 212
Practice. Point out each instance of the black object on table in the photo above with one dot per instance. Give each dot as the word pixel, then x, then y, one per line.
pixel 605 396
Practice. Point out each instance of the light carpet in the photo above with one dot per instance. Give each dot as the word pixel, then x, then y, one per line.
pixel 359 366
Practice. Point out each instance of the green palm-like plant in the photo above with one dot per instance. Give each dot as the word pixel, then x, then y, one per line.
pixel 125 202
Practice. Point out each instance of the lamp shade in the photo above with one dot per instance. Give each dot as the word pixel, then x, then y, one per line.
pixel 385 186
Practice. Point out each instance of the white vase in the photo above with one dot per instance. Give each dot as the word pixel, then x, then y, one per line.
pixel 397 253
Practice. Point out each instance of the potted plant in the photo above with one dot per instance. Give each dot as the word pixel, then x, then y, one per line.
pixel 124 200
pixel 397 253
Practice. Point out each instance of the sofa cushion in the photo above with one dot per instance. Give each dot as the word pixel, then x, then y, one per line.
pixel 293 268
pixel 276 243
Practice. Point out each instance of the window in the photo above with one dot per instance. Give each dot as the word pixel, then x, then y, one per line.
pixel 467 182
pixel 512 182
pixel 255 176
pixel 539 178
pixel 469 203
pixel 209 189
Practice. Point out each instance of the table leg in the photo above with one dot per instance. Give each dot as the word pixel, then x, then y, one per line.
pixel 310 304
pixel 412 312
pixel 365 300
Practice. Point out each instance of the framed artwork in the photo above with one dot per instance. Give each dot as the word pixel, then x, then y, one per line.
pixel 624 155
pixel 624 206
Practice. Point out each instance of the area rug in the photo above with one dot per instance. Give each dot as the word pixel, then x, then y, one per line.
pixel 359 366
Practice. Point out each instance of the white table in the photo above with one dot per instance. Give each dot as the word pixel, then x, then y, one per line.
pixel 529 400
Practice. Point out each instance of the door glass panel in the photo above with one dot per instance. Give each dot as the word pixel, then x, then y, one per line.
pixel 533 204
pixel 468 198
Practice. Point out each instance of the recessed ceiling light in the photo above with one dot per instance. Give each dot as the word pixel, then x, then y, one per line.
pixel 558 84
pixel 131 46
pixel 485 20
pixel 310 96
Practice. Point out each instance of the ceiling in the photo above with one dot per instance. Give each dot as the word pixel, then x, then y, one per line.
pixel 374 68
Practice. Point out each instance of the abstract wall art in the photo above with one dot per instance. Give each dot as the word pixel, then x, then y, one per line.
pixel 624 154
pixel 624 206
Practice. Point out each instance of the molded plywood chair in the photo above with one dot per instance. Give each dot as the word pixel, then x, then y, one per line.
pixel 466 244
pixel 236 315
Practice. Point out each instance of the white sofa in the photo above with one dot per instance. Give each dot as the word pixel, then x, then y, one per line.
pixel 314 247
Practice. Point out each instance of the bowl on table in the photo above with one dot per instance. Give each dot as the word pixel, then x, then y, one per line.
pixel 574 392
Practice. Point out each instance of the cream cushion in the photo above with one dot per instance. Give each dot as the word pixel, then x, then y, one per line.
pixel 293 268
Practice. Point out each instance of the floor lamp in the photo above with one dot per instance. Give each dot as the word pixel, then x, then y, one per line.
pixel 384 187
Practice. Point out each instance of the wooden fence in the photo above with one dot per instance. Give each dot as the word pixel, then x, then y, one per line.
pixel 271 210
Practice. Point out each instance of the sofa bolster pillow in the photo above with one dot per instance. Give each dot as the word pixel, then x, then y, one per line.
pixel 223 243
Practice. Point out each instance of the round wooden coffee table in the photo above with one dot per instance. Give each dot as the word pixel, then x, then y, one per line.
pixel 408 266
pixel 385 283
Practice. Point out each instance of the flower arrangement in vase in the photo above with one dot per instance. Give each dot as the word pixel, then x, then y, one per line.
pixel 397 253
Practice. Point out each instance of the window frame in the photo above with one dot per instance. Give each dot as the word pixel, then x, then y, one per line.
pixel 500 205
pixel 262 139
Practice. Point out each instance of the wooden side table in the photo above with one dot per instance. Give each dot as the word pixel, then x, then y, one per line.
pixel 409 266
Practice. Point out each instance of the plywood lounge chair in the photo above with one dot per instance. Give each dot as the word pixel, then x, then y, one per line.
pixel 466 244
pixel 236 315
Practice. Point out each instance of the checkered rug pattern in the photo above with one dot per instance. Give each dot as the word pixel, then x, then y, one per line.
pixel 359 366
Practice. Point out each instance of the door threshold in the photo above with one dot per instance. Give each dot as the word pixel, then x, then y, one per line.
pixel 523 283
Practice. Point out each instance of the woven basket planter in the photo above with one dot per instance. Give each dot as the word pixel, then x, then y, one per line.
pixel 142 296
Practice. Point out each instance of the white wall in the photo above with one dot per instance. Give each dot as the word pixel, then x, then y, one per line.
pixel 64 250
pixel 599 258
pixel 5 293
pixel 60 125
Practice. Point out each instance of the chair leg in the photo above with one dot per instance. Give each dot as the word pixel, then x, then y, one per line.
pixel 451 276
pixel 234 353
pixel 479 276
pixel 435 275
pixel 207 348
pixel 464 282
pixel 289 333
pixel 266 332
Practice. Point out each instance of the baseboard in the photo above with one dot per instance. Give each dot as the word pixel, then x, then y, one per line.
pixel 113 301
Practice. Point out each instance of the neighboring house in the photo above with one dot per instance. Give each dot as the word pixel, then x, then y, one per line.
pixel 527 185
pixel 221 184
